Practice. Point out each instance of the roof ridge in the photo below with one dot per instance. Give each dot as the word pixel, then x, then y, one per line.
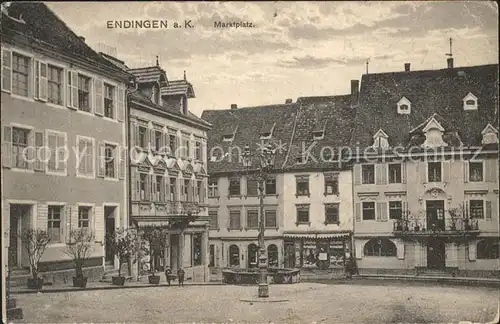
pixel 458 68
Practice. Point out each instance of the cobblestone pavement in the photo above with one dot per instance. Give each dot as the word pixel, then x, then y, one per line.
pixel 308 303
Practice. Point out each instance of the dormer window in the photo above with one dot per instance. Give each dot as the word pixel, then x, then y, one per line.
pixel 490 135
pixel 318 135
pixel 404 106
pixel 470 102
pixel 380 140
pixel 433 134
pixel 227 137
pixel 267 133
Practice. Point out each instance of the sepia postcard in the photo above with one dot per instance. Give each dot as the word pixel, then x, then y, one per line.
pixel 250 162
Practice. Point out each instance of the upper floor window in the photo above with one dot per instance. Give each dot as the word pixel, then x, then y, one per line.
pixel 172 143
pixel 186 150
pixel 109 97
pixel 173 189
pixel 186 187
pixel 158 139
pixel 490 135
pixel 198 153
pixel 476 209
pixel 368 210
pixel 395 209
pixel 86 159
pixel 475 171
pixel 331 184
pixel 55 85
pixel 143 137
pixel 54 227
pixel 381 247
pixel 143 186
pixel 470 102
pixel 84 216
pixel 213 187
pixel 270 186
pixel 302 214
pixel 159 192
pixel 252 187
pixel 214 219
pixel 404 106
pixel 270 218
pixel 395 173
pixel 434 171
pixel 234 186
pixel 84 93
pixel 19 144
pixel 332 214
pixel 235 219
pixel 56 144
pixel 368 174
pixel 20 74
pixel 252 218
pixel 109 160
pixel 302 185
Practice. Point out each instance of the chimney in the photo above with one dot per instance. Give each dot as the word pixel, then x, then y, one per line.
pixel 234 106
pixel 354 92
pixel 288 101
pixel 450 63
pixel 407 67
pixel 82 38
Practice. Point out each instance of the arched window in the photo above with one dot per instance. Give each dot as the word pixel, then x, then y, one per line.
pixel 234 256
pixel 253 256
pixel 488 249
pixel 380 247
pixel 272 255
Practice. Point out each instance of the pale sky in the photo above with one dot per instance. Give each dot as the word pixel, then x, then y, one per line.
pixel 296 49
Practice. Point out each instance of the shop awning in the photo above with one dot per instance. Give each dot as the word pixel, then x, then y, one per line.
pixel 313 236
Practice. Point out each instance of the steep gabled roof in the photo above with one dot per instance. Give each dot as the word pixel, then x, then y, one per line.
pixel 149 74
pixel 247 122
pixel 178 87
pixel 429 91
pixel 42 25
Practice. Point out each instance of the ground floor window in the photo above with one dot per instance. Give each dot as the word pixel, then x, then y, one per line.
pixel 272 255
pixel 488 249
pixel 197 239
pixel 234 256
pixel 322 254
pixel 379 247
pixel 253 256
pixel 212 256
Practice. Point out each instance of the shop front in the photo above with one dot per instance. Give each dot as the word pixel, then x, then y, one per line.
pixel 316 250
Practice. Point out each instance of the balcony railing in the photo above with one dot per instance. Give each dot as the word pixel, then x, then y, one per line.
pixel 445 226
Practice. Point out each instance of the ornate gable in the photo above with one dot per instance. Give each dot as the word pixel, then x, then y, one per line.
pixel 188 169
pixel 404 106
pixel 470 102
pixel 380 139
pixel 490 135
pixel 173 166
pixel 433 132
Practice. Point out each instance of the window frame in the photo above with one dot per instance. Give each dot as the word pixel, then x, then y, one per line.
pixel 400 209
pixel 300 179
pixel 334 177
pixel 266 211
pixel 30 77
pixel 483 208
pixel 231 214
pixel 91 92
pixel 363 210
pixel 298 209
pixel 62 85
pixel 332 206
pixel 61 220
pixel 47 170
pixel 389 173
pixel 247 223
pixel 470 173
pixel 115 160
pixel 272 180
pixel 94 149
pixel 233 180
pixel 114 101
pixel 249 181
pixel 380 247
pixel 440 172
pixel 211 213
pixel 29 130
pixel 372 180
pixel 90 214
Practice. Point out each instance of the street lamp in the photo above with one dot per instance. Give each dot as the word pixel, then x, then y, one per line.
pixel 265 156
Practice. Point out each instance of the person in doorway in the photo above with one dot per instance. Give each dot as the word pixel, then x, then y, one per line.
pixel 180 276
pixel 168 275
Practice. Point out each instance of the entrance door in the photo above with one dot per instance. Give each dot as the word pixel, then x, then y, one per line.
pixel 13 237
pixel 109 215
pixel 436 254
pixel 435 215
pixel 20 220
pixel 289 255
pixel 174 251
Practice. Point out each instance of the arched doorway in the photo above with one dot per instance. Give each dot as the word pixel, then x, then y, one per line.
pixel 234 256
pixel 253 256
pixel 272 256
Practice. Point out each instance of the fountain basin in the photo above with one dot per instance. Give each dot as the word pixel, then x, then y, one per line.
pixel 251 277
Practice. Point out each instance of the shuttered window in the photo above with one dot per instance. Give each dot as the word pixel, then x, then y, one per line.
pixel 19 147
pixel 54 222
pixel 395 173
pixel 234 220
pixel 270 218
pixel 20 74
pixel 234 187
pixel 85 161
pixel 84 216
pixel 368 210
pixel 368 174
pixel 57 147
pixel 55 85
pixel 252 218
pixel 252 187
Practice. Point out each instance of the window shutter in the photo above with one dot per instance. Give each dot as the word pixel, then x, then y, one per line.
pixel 43 82
pixel 100 160
pixel 99 97
pixel 491 170
pixel 148 187
pixel 403 172
pixel 381 211
pixel 99 224
pixel 400 251
pixel 359 250
pixel 7 147
pixel 122 164
pixel 74 90
pixel 89 156
pixel 381 174
pixel 7 70
pixel 68 90
pixel 134 187
pixel 52 145
pixel 61 152
pixel 358 212
pixel 489 209
pixel 82 156
pixel 121 104
pixel 466 171
pixel 472 251
pixel 40 152
pixel 357 174
pixel 446 171
pixel 153 187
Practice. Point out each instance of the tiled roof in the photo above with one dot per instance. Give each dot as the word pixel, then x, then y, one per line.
pixel 43 25
pixel 177 87
pixel 148 74
pixel 335 116
pixel 432 91
pixel 140 97
pixel 248 123
pixel 293 124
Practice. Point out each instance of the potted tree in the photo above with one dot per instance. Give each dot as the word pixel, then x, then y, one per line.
pixel 34 241
pixel 79 248
pixel 122 243
pixel 156 241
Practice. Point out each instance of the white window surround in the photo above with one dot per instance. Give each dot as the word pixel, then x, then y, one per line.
pixel 117 160
pixel 63 224
pixel 56 173
pixel 468 170
pixel 401 102
pixel 402 166
pixel 490 135
pixel 374 173
pixel 380 139
pixel 483 199
pixel 91 215
pixel 427 170
pixel 433 134
pixel 375 211
pixel 30 71
pixel 468 97
pixel 86 176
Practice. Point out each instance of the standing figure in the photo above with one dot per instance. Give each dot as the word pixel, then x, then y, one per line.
pixel 168 275
pixel 180 276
